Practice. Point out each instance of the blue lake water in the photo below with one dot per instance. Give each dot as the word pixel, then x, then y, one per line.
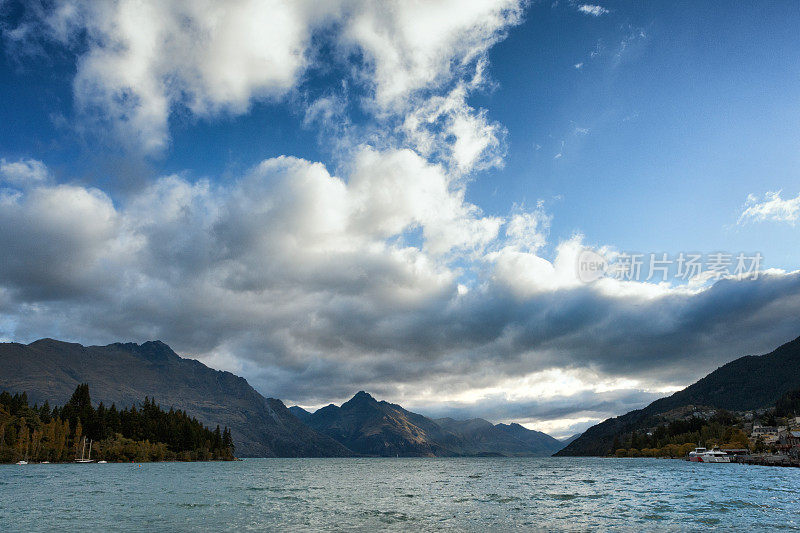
pixel 458 494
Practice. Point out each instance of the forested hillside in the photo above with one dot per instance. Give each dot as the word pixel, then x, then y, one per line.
pixel 747 383
pixel 125 373
pixel 146 433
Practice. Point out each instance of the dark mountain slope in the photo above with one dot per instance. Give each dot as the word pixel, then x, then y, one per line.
pixel 370 427
pixel 477 436
pixel 747 383
pixel 567 441
pixel 300 413
pixel 541 443
pixel 125 373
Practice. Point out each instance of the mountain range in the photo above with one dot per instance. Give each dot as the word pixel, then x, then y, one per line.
pixel 371 427
pixel 568 440
pixel 124 373
pixel 49 370
pixel 748 383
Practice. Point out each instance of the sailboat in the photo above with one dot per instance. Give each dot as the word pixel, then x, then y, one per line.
pixel 83 449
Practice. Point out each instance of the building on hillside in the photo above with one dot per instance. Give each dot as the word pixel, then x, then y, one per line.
pixel 758 430
pixel 768 434
pixel 790 438
pixel 763 430
pixel 789 442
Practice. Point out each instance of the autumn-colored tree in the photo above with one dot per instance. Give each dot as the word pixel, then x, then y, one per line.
pixel 143 433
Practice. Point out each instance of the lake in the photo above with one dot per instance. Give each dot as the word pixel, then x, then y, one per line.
pixel 461 494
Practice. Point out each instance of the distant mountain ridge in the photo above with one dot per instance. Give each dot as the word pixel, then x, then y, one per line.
pixel 300 413
pixel 371 427
pixel 49 370
pixel 747 383
pixel 125 373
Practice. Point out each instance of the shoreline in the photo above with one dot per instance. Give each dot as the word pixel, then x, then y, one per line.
pixel 757 460
pixel 121 462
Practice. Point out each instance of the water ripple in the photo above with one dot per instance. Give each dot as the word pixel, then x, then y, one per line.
pixel 463 494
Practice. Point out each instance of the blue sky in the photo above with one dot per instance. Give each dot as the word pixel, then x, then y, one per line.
pixel 677 112
pixel 697 112
pixel 449 167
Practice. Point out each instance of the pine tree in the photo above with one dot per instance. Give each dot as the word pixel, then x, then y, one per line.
pixel 44 412
pixel 227 441
pixel 143 433
pixel 217 443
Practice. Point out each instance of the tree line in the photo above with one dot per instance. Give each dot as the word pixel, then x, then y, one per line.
pixel 788 405
pixel 137 433
pixel 724 429
pixel 679 437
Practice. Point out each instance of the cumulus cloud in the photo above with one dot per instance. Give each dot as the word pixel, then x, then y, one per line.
pixel 380 275
pixel 141 60
pixel 418 45
pixel 139 63
pixel 771 208
pixel 53 237
pixel 314 285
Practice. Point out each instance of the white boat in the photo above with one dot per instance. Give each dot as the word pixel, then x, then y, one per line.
pixel 89 459
pixel 23 462
pixel 703 455
pixel 102 462
pixel 696 454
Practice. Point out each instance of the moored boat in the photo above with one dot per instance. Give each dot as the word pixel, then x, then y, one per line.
pixel 703 455
pixel 83 450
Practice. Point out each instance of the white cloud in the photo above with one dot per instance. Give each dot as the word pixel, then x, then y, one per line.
pixel 398 190
pixel 527 230
pixel 593 10
pixel 144 59
pixel 383 276
pixel 141 61
pixel 25 172
pixel 446 128
pixel 771 208
pixel 315 285
pixel 417 45
pixel 58 240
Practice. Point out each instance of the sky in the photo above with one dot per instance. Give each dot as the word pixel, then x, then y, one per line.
pixel 545 212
